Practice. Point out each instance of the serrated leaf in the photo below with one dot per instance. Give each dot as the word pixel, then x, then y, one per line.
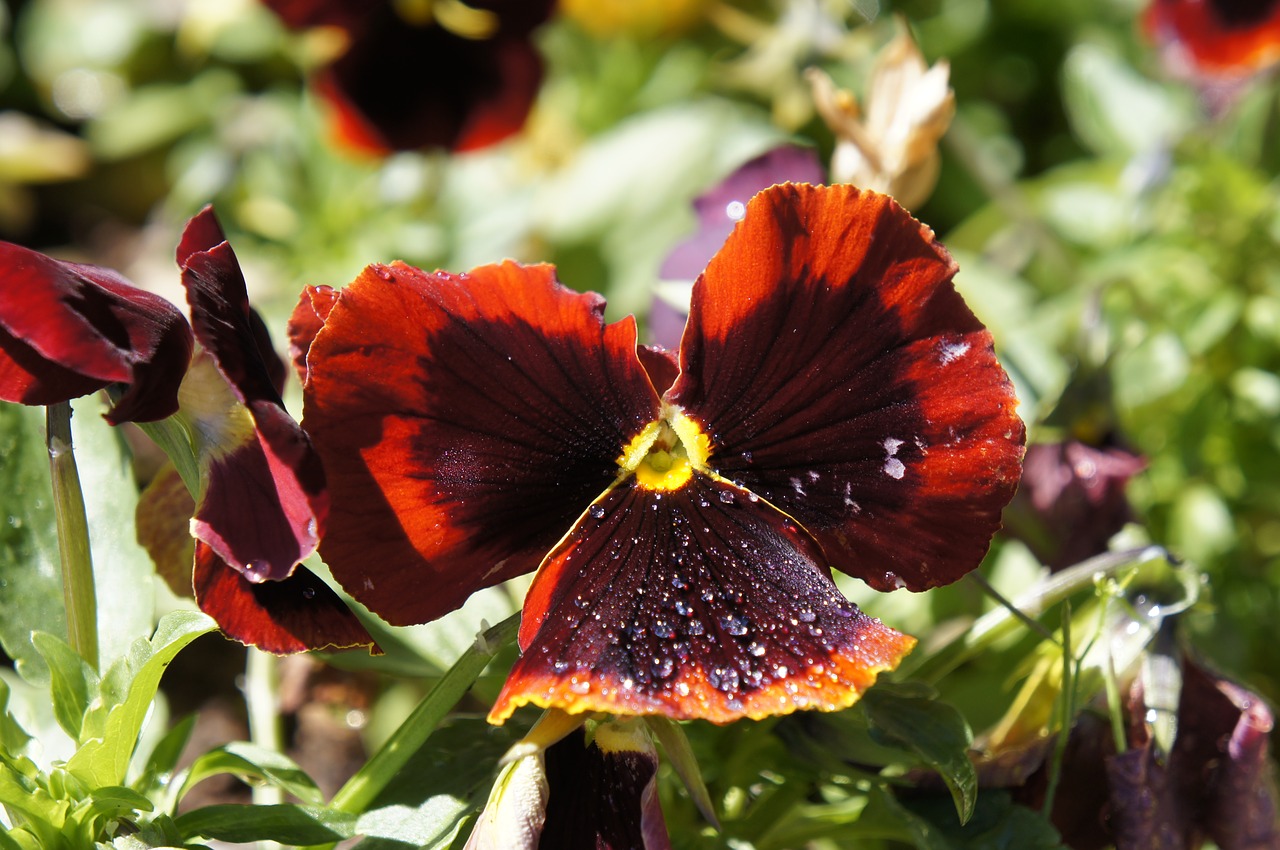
pixel 104 760
pixel 30 579
pixel 288 824
pixel 253 763
pixel 73 683
pixel 908 717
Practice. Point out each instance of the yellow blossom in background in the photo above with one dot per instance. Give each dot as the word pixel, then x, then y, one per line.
pixel 639 18
pixel 892 146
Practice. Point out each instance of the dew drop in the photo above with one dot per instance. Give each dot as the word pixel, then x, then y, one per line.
pixel 695 627
pixel 662 630
pixel 308 593
pixel 807 616
pixel 560 666
pixel 734 624
pixel 596 511
pixel 678 583
pixel 757 649
pixel 384 273
pixel 579 686
pixel 682 689
pixel 726 496
pixel 684 609
pixel 256 571
pixel 663 667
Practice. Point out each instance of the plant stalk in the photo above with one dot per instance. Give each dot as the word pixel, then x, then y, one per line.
pixel 73 535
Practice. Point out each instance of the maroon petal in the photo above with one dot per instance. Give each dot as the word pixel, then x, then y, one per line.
pixel 67 330
pixel 464 422
pixel 296 614
pixel 603 794
pixel 264 505
pixel 840 376
pixel 697 602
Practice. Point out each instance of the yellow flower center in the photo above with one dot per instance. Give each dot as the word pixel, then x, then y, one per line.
pixel 665 454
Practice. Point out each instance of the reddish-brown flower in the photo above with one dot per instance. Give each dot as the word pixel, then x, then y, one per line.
pixel 440 73
pixel 1224 38
pixel 263 502
pixel 67 330
pixel 835 403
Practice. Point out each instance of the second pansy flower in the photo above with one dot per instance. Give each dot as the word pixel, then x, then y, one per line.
pixel 834 404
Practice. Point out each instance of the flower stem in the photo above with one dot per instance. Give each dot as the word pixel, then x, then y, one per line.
pixel 73 535
pixel 364 787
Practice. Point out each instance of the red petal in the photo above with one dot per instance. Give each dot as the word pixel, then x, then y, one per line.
pixel 661 366
pixel 308 318
pixel 702 602
pixel 293 615
pixel 1220 36
pixel 67 330
pixel 464 422
pixel 840 376
pixel 265 505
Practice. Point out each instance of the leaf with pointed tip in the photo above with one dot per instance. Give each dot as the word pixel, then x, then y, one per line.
pixel 253 763
pixel 73 684
pixel 288 824
pixel 103 760
pixel 909 717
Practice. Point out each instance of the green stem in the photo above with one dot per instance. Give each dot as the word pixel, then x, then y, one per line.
pixel 364 787
pixel 261 684
pixel 73 535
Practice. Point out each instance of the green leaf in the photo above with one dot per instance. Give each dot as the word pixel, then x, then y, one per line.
pixel 285 823
pixel 13 738
pixel 253 763
pixel 30 579
pixel 675 744
pixel 73 683
pixel 104 760
pixel 908 716
pixel 164 757
pixel 998 823
pixel 123 571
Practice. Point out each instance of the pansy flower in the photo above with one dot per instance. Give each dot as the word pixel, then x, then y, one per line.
pixel 834 404
pixel 426 73
pixel 262 503
pixel 1217 38
pixel 67 330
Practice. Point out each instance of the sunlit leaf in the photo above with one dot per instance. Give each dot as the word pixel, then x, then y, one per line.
pixel 73 684
pixel 284 823
pixel 253 763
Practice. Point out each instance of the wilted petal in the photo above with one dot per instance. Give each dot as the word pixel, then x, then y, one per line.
pixel 699 602
pixel 839 375
pixel 294 614
pixel 67 330
pixel 465 422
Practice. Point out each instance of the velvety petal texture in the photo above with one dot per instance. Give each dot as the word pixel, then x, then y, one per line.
pixel 67 330
pixel 702 602
pixel 840 376
pixel 404 83
pixel 264 502
pixel 294 614
pixel 465 422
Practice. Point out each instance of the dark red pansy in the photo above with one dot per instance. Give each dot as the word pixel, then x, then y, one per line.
pixel 67 330
pixel 457 76
pixel 294 614
pixel 1218 37
pixel 264 502
pixel 836 404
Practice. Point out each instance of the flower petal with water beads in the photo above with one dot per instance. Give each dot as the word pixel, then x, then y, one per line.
pixel 840 376
pixel 67 330
pixel 701 601
pixel 465 422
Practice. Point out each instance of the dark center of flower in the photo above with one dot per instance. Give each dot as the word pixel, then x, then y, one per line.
pixel 666 453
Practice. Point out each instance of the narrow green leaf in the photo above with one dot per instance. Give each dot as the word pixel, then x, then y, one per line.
pixel 285 823
pixel 680 756
pixel 104 760
pixel 909 717
pixel 164 757
pixel 361 789
pixel 73 683
pixel 253 763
